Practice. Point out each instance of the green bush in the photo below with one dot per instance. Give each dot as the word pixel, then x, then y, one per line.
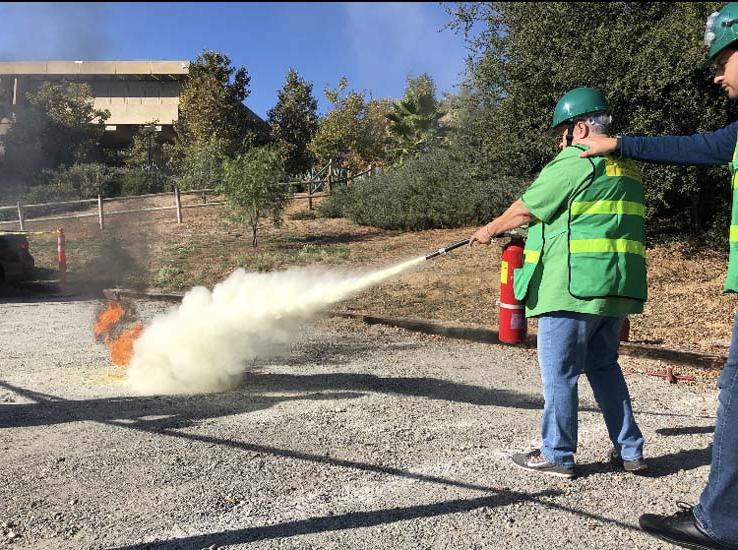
pixel 87 181
pixel 437 190
pixel 337 204
pixel 80 181
pixel 137 181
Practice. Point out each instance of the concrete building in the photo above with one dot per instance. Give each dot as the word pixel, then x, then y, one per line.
pixel 135 92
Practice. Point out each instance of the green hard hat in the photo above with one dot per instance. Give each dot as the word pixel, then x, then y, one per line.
pixel 721 29
pixel 578 102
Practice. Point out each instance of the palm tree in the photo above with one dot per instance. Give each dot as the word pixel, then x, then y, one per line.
pixel 414 125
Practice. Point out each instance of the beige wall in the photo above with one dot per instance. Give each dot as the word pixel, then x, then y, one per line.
pixel 135 92
pixel 174 69
pixel 137 102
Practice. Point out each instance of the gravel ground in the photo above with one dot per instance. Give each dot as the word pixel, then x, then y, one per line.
pixel 357 437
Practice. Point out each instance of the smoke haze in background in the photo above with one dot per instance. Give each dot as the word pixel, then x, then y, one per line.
pixel 54 31
pixel 120 262
pixel 206 344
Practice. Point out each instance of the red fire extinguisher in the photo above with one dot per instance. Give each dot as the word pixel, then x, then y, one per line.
pixel 513 325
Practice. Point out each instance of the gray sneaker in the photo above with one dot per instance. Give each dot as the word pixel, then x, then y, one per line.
pixel 536 462
pixel 633 466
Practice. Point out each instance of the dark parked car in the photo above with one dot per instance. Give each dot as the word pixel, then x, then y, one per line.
pixel 16 262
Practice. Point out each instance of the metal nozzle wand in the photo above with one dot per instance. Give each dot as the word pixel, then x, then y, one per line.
pixel 457 244
pixel 448 248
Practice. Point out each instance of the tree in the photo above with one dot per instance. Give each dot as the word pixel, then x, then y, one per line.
pixel 646 56
pixel 5 98
pixel 294 121
pixel 351 133
pixel 251 186
pixel 59 126
pixel 415 119
pixel 199 165
pixel 211 105
pixel 376 145
pixel 147 148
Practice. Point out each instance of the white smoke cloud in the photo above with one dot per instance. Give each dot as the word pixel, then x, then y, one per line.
pixel 207 343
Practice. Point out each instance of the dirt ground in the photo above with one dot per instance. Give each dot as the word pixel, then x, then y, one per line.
pixel 686 309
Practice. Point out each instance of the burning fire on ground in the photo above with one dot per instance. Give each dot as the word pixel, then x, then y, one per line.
pixel 112 328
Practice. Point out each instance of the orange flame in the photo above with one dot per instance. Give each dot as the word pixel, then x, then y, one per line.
pixel 107 330
pixel 121 349
pixel 109 319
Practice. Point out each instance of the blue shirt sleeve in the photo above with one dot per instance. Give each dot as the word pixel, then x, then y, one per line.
pixel 710 148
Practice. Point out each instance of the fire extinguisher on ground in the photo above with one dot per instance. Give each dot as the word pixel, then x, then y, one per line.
pixel 513 325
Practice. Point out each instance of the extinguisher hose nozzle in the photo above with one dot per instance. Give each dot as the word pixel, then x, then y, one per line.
pixel 462 242
pixel 448 248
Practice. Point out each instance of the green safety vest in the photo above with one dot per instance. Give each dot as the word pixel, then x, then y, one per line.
pixel 731 281
pixel 606 236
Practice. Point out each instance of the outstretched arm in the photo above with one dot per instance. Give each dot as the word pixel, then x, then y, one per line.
pixel 515 216
pixel 707 149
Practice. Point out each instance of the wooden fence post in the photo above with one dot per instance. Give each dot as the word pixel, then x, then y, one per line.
pixel 310 196
pixel 178 204
pixel 330 177
pixel 100 214
pixel 20 217
pixel 204 197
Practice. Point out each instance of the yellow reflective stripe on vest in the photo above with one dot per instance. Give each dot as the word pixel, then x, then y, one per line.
pixel 608 207
pixel 532 256
pixel 622 168
pixel 612 246
pixel 734 233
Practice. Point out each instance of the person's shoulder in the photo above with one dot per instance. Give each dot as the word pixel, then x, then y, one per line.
pixel 569 157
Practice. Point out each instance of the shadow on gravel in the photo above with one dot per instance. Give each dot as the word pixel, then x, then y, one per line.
pixel 351 520
pixel 659 466
pixel 431 388
pixel 592 468
pixel 689 459
pixel 686 430
pixel 36 292
pixel 149 413
pixel 45 291
pixel 171 413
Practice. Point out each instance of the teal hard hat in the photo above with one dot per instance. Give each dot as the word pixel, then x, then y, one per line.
pixel 721 29
pixel 576 103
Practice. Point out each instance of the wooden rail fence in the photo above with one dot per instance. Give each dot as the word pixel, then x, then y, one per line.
pixel 320 185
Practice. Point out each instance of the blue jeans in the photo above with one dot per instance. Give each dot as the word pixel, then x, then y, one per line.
pixel 569 344
pixel 717 511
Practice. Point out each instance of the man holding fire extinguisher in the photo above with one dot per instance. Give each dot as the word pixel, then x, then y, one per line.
pixel 584 270
pixel 713 523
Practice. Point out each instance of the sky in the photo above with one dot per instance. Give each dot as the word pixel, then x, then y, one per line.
pixel 376 45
